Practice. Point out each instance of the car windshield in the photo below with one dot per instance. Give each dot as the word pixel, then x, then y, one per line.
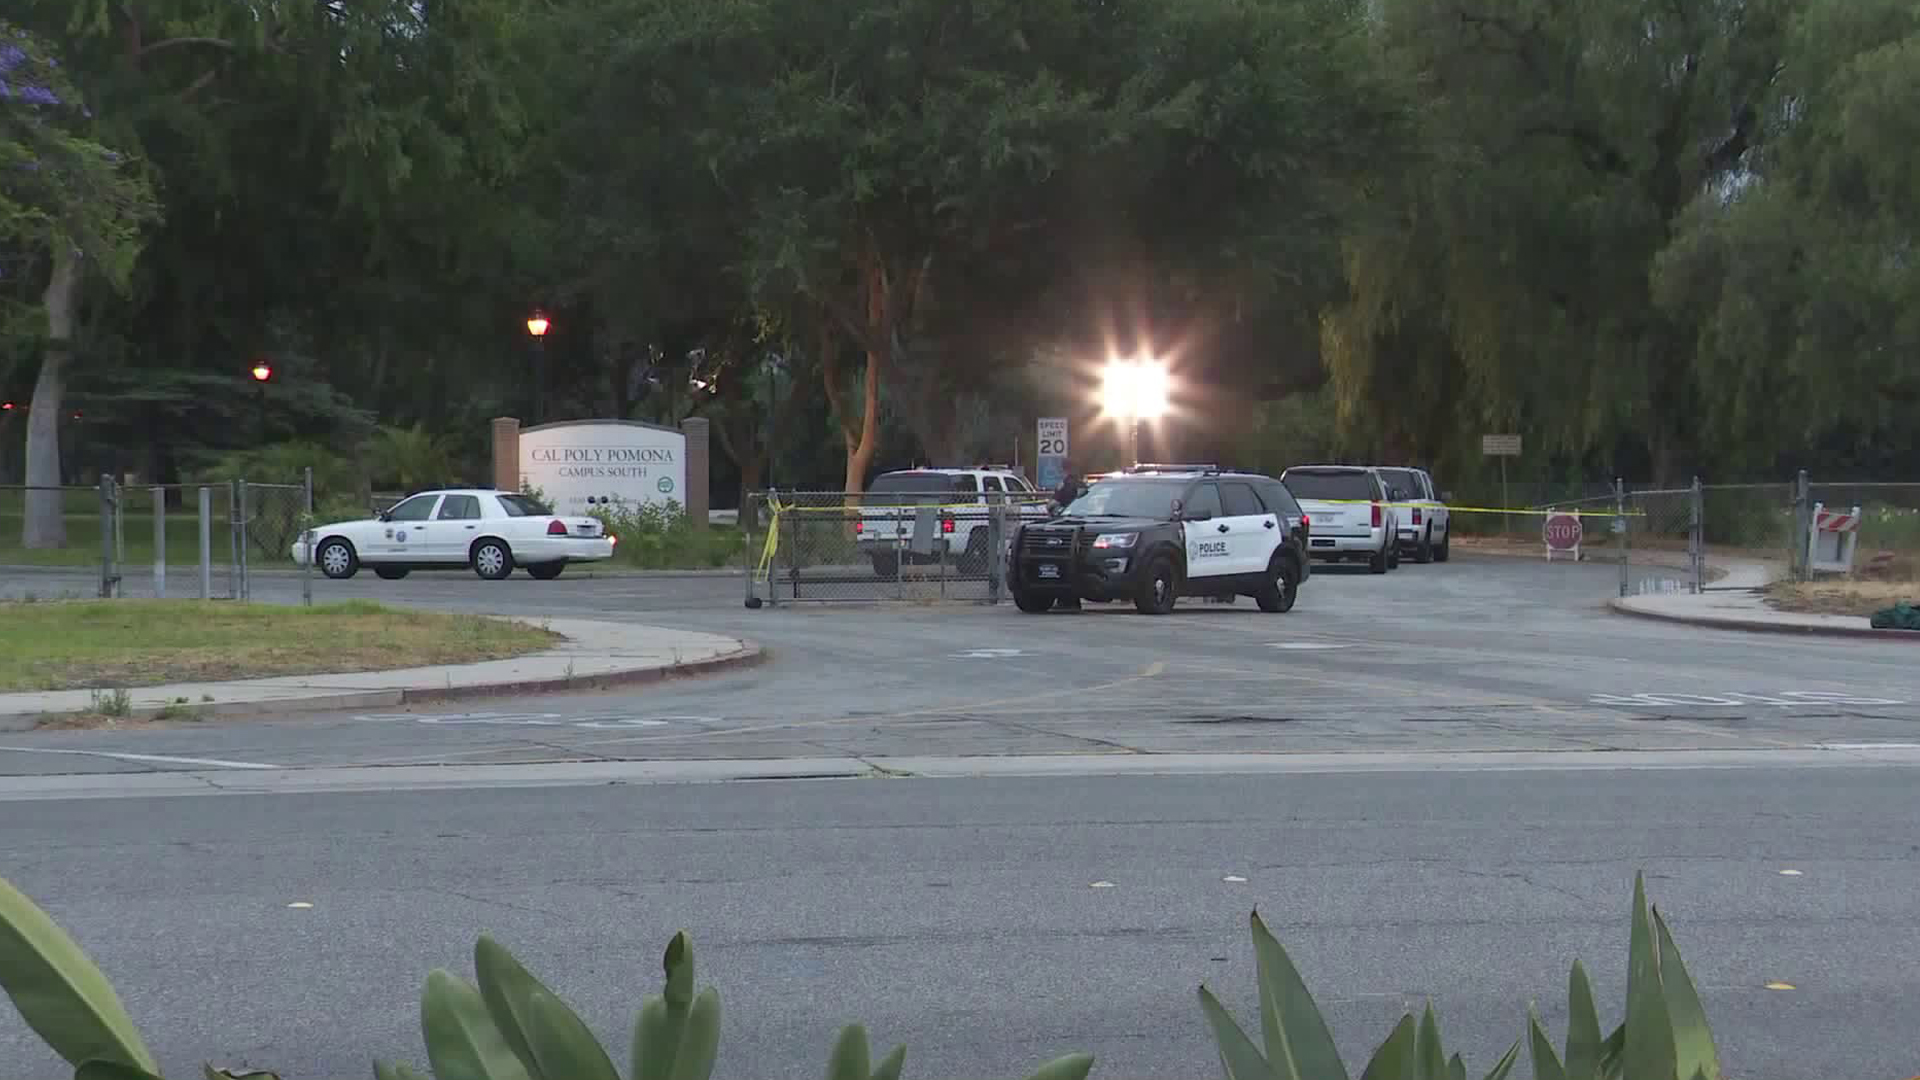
pixel 1328 484
pixel 522 506
pixel 1128 498
pixel 908 489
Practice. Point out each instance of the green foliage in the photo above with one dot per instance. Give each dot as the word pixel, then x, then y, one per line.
pixel 61 995
pixel 511 1026
pixel 660 536
pixel 408 458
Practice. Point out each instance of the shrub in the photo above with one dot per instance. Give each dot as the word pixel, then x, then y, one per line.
pixel 656 536
pixel 510 1026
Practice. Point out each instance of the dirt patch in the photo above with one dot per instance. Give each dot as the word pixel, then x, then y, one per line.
pixel 1861 598
pixel 112 645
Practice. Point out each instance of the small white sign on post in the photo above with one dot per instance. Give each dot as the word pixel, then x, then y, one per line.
pixel 1500 445
pixel 1050 463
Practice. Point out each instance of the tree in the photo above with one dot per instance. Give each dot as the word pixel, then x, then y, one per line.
pixel 1799 279
pixel 79 206
pixel 1569 139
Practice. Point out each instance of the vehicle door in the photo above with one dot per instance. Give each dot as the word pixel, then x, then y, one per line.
pixel 1208 531
pixel 1253 533
pixel 405 532
pixel 456 525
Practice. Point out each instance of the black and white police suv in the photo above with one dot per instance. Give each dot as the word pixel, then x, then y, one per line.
pixel 1154 533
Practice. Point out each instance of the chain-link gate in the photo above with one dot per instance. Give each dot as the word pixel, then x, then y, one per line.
pixel 811 546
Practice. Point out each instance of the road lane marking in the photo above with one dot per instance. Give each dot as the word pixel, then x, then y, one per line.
pixel 1304 646
pixel 1791 873
pixel 160 759
pixel 1786 699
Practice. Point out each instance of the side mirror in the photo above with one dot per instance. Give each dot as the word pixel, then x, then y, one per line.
pixel 1179 510
pixel 386 515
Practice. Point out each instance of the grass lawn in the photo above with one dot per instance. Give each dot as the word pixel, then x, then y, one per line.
pixel 101 644
pixel 1861 598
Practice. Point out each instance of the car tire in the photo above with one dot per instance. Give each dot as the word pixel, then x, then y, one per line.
pixel 545 571
pixel 1445 550
pixel 1283 587
pixel 1032 603
pixel 390 573
pixel 973 561
pixel 1159 588
pixel 492 560
pixel 886 567
pixel 1377 562
pixel 1423 551
pixel 336 559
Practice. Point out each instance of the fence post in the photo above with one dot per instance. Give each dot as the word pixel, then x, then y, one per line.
pixel 1622 546
pixel 233 539
pixel 246 577
pixel 108 578
pixel 159 543
pixel 1802 527
pixel 306 540
pixel 1696 538
pixel 206 542
pixel 996 548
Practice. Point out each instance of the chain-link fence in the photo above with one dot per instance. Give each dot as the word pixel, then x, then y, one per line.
pixel 810 546
pixel 163 540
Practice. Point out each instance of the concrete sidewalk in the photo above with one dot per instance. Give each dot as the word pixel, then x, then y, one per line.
pixel 596 654
pixel 1736 602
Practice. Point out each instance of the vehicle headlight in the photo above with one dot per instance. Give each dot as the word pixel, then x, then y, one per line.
pixel 1115 540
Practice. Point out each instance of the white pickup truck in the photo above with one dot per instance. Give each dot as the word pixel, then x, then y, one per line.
pixel 960 499
pixel 1352 517
pixel 1426 526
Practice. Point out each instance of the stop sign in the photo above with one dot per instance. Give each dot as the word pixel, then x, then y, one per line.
pixel 1563 531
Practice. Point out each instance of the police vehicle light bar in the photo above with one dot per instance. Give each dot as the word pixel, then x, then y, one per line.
pixel 1172 468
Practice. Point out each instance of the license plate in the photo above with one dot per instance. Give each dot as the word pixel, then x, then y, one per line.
pixel 1049 570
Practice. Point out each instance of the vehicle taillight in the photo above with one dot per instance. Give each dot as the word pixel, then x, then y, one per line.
pixel 1416 515
pixel 612 539
pixel 1376 515
pixel 1306 521
pixel 556 527
pixel 946 525
pixel 859 527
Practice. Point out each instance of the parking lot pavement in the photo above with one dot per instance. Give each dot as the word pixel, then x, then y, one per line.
pixel 1483 653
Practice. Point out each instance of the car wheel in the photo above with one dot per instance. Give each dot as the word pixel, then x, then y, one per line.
pixel 492 560
pixel 1277 598
pixel 336 559
pixel 390 573
pixel 886 567
pixel 973 561
pixel 1423 551
pixel 1445 550
pixel 546 571
pixel 1157 591
pixel 1032 603
pixel 1377 563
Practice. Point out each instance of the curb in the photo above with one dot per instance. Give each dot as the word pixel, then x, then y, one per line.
pixel 747 656
pixel 1764 626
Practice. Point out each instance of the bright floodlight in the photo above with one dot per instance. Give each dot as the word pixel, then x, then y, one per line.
pixel 1136 389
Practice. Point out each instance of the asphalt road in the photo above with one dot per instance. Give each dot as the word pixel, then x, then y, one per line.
pixel 1483 653
pixel 961 917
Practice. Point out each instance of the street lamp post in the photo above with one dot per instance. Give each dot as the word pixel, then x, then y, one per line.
pixel 1135 390
pixel 262 374
pixel 537 325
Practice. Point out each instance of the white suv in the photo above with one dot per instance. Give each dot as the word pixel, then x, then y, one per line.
pixel 1352 516
pixel 958 500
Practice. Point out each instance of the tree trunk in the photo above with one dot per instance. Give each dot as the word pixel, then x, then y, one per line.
pixel 45 524
pixel 860 450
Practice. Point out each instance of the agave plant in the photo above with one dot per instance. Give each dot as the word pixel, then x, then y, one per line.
pixel 1665 1035
pixel 509 1027
pixel 1300 1047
